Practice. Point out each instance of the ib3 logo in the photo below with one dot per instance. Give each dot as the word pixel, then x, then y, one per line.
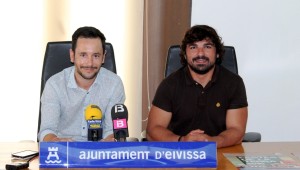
pixel 120 123
pixel 53 157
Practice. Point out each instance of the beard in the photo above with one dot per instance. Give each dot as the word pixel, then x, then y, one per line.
pixel 201 68
pixel 87 76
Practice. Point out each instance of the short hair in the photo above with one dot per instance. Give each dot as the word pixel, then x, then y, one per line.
pixel 199 33
pixel 87 32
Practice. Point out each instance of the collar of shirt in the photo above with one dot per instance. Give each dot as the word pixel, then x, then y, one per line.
pixel 190 81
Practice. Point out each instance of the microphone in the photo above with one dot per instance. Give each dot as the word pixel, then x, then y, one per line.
pixel 93 116
pixel 119 116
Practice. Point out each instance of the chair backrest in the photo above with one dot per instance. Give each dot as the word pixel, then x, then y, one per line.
pixel 173 60
pixel 57 58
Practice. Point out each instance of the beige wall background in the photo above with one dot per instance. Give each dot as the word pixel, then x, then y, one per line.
pixel 165 23
pixel 27 26
pixel 140 31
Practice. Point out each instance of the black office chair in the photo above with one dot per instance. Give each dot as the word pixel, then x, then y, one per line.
pixel 229 61
pixel 57 58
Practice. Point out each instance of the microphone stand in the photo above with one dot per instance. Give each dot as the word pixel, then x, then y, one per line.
pixel 94 135
pixel 121 136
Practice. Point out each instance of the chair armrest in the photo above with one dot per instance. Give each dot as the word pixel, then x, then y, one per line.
pixel 252 137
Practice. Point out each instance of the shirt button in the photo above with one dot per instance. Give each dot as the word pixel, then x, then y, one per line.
pixel 202 92
pixel 83 127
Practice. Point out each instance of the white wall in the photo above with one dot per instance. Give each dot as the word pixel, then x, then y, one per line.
pixel 21 57
pixel 266 36
pixel 26 27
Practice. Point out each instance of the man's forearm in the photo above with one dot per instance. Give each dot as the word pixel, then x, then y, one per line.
pixel 50 137
pixel 228 138
pixel 161 134
pixel 53 138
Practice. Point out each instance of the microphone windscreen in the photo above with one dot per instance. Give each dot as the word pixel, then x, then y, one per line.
pixel 93 112
pixel 119 111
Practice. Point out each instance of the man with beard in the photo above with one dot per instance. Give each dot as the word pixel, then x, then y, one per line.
pixel 67 93
pixel 202 101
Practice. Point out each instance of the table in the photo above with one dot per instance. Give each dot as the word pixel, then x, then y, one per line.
pixel 6 148
pixel 223 163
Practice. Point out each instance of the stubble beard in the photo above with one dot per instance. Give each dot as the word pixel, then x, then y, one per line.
pixel 201 68
pixel 88 77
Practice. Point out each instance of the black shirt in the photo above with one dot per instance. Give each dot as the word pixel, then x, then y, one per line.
pixel 194 107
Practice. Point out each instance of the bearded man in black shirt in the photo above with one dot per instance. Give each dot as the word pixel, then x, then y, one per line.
pixel 202 101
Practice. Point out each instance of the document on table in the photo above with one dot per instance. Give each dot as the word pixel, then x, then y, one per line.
pixel 248 161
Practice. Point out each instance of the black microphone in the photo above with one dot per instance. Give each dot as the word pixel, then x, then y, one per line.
pixel 93 116
pixel 119 116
